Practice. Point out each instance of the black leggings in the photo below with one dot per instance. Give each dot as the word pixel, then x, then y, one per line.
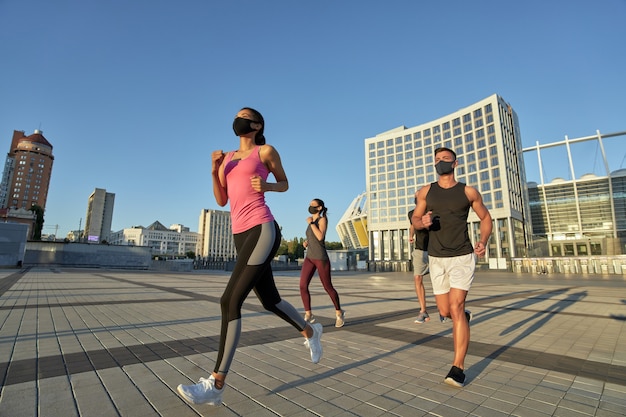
pixel 255 249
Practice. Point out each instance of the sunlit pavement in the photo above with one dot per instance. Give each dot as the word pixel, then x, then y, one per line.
pixel 117 343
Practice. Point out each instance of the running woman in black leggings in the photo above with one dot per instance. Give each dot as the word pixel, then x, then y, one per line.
pixel 240 176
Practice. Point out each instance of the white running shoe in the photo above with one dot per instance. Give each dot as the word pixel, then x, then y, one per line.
pixel 315 342
pixel 204 392
pixel 339 320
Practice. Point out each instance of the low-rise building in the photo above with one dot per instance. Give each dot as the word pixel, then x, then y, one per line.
pixel 174 241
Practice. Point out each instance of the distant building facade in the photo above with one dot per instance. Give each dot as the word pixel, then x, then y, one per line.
pixel 99 216
pixel 486 138
pixel 216 241
pixel 584 216
pixel 27 171
pixel 352 226
pixel 74 235
pixel 176 240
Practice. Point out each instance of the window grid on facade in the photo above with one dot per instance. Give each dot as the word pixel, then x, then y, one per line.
pixel 473 134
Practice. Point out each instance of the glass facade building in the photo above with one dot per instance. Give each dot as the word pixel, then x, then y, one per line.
pixel 583 216
pixel 487 141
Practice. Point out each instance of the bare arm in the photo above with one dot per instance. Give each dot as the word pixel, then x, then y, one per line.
pixel 219 181
pixel 483 214
pixel 271 159
pixel 421 219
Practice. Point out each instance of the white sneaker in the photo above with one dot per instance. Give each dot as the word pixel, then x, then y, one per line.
pixel 339 321
pixel 204 392
pixel 315 342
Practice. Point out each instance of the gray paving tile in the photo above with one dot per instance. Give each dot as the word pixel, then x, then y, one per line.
pixel 86 343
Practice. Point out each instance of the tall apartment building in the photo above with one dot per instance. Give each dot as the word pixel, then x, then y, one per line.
pixel 216 242
pixel 487 141
pixel 27 171
pixel 99 216
pixel 176 240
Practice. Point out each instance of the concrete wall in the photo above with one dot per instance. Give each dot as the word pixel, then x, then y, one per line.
pixel 12 244
pixel 173 265
pixel 87 255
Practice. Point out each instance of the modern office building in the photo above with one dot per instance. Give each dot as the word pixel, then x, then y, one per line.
pixel 27 171
pixel 581 216
pixel 176 240
pixel 486 138
pixel 216 242
pixel 99 216
pixel 352 226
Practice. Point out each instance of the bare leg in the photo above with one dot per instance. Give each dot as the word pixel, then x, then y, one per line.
pixel 460 326
pixel 420 291
pixel 443 304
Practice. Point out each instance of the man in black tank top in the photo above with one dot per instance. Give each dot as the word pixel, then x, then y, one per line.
pixel 442 208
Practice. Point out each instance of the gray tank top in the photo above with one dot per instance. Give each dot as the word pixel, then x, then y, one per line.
pixel 315 249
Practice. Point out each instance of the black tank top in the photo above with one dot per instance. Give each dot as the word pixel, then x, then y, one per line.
pixel 421 236
pixel 448 234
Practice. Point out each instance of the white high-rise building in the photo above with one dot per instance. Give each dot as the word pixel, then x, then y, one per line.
pixel 487 141
pixel 99 216
pixel 216 242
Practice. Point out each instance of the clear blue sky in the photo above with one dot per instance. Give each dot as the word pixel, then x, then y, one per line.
pixel 135 95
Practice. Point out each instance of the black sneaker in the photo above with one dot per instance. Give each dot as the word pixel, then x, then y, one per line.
pixel 468 315
pixel 455 377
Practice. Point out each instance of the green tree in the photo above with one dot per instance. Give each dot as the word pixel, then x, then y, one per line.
pixel 38 210
pixel 292 247
pixel 283 249
pixel 334 245
pixel 296 248
pixel 190 254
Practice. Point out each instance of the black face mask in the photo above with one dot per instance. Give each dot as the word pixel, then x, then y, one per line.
pixel 444 167
pixel 242 126
pixel 312 209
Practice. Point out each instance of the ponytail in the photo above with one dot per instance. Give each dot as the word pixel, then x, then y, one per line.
pixel 324 208
pixel 259 139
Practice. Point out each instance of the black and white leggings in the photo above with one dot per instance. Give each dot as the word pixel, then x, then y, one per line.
pixel 255 249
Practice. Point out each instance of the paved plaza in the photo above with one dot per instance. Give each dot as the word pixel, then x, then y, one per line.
pixel 76 342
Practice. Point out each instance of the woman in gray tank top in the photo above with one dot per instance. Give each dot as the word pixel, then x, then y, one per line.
pixel 317 259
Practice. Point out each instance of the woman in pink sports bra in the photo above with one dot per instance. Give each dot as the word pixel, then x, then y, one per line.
pixel 241 177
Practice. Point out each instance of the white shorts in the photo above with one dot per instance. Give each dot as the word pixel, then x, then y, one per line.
pixel 454 272
pixel 420 262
